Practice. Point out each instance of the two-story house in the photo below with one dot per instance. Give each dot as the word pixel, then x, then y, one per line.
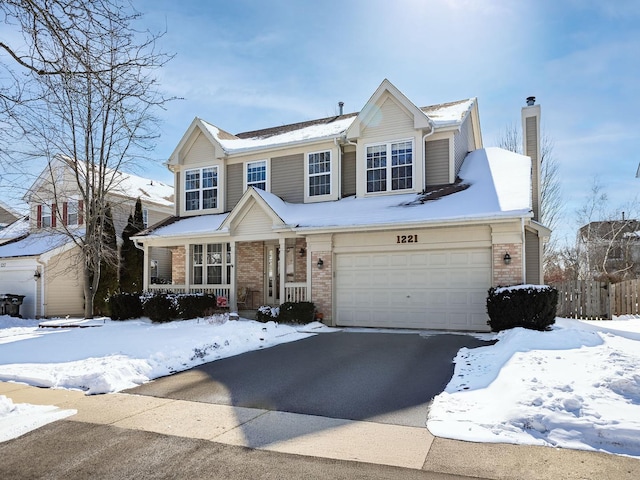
pixel 43 263
pixel 610 250
pixel 391 217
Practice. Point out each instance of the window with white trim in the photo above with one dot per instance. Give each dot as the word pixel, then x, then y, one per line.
pixel 145 217
pixel 257 174
pixel 201 188
pixel 211 264
pixel 319 173
pixel 72 212
pixel 45 215
pixel 390 166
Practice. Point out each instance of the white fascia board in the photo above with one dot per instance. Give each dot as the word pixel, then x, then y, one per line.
pixel 459 221
pixel 282 146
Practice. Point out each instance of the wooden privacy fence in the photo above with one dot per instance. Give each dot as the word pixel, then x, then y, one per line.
pixel 597 300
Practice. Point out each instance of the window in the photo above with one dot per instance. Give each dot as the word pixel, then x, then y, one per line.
pixel 390 166
pixel 319 173
pixel 72 213
pixel 257 174
pixel 209 262
pixel 46 216
pixel 145 217
pixel 201 188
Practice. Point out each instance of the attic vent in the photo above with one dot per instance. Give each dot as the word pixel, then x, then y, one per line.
pixel 341 106
pixel 531 101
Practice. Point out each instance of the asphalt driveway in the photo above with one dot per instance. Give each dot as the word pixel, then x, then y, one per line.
pixel 383 377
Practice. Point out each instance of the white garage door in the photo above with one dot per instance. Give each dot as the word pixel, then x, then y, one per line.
pixel 426 289
pixel 20 282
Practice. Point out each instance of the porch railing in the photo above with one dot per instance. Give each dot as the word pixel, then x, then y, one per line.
pixel 217 290
pixel 295 292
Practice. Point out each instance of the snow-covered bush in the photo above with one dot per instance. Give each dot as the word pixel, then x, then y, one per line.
pixel 289 312
pixel 195 305
pixel 124 306
pixel 528 306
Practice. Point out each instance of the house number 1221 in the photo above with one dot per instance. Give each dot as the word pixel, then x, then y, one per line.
pixel 407 239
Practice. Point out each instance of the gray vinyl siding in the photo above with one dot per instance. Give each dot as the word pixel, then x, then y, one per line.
pixel 234 185
pixel 348 174
pixel 287 178
pixel 532 258
pixel 437 161
pixel 461 144
pixel 531 145
pixel 201 151
pixel 177 197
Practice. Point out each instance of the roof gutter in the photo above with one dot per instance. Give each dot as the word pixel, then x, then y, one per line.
pixel 279 146
pixel 458 221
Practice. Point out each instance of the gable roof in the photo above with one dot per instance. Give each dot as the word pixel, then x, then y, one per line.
pixel 444 115
pixel 35 244
pixel 125 184
pixel 14 230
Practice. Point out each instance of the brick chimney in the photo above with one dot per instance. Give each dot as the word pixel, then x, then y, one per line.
pixel 531 148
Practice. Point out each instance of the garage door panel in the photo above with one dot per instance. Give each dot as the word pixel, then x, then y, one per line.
pixel 431 289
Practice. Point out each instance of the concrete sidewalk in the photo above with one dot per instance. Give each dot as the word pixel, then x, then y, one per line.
pixel 377 443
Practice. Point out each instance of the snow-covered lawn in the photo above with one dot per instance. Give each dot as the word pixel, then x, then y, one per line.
pixel 577 386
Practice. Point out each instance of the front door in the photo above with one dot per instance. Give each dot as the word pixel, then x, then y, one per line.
pixel 272 274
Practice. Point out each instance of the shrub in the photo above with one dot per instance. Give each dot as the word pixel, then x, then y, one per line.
pixel 289 312
pixel 161 308
pixel 124 306
pixel 195 305
pixel 297 312
pixel 528 306
pixel 266 314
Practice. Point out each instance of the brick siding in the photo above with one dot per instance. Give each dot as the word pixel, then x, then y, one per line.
pixel 511 274
pixel 322 284
pixel 178 262
pixel 250 269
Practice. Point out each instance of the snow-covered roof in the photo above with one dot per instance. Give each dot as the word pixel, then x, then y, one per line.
pixel 124 184
pixel 14 230
pixel 442 115
pixel 148 190
pixel 36 244
pixel 499 186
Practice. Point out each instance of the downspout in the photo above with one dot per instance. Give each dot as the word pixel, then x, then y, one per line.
pixel 145 266
pixel 524 252
pixel 335 142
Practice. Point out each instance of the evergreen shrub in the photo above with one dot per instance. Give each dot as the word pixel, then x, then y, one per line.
pixel 124 306
pixel 196 305
pixel 160 308
pixel 297 313
pixel 527 306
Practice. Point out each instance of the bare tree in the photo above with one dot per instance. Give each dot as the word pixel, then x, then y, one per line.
pixel 92 95
pixel 551 193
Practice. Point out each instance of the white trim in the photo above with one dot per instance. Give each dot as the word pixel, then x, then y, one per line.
pixel 200 189
pixel 389 167
pixel 307 176
pixel 267 179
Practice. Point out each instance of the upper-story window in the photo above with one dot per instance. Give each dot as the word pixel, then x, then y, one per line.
pixel 45 216
pixel 201 188
pixel 257 174
pixel 390 166
pixel 319 173
pixel 145 217
pixel 72 213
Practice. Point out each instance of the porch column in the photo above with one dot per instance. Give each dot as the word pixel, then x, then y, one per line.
pixel 282 260
pixel 187 268
pixel 145 268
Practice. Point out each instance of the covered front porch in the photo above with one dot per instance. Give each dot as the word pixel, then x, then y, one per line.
pixel 247 274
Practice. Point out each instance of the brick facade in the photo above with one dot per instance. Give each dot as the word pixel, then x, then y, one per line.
pixel 301 261
pixel 511 274
pixel 250 269
pixel 322 284
pixel 178 263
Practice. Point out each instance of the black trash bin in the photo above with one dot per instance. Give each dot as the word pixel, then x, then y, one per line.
pixel 10 304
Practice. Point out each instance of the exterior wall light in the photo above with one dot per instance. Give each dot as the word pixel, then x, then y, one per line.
pixel 507 258
pixel 303 252
pixel 320 263
pixel 36 275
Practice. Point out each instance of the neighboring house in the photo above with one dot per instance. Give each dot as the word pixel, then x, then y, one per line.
pixel 17 229
pixel 43 262
pixel 391 217
pixel 610 250
pixel 7 215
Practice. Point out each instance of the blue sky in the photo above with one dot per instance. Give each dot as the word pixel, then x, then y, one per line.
pixel 245 65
